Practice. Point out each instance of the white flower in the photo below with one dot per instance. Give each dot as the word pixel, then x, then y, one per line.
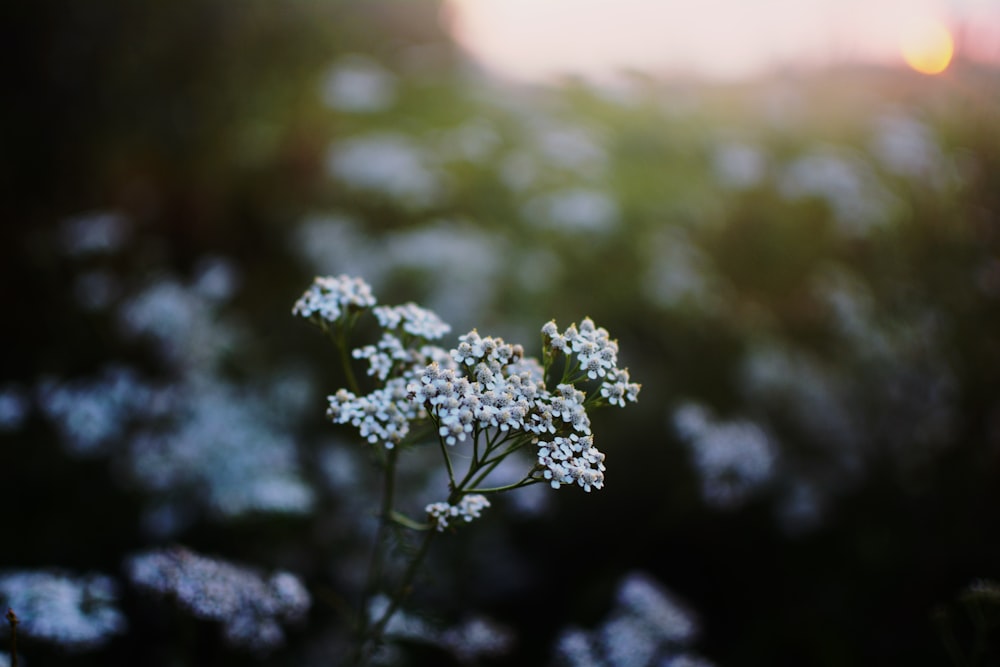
pixel 389 164
pixel 413 319
pixel 617 388
pixel 249 606
pixel 384 415
pixel 328 296
pixel 78 613
pixel 468 508
pixel 735 459
pixel 359 85
pixel 572 460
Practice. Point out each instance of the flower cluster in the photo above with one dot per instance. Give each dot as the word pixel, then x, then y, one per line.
pixel 468 508
pixel 384 415
pixel 484 392
pixel 646 625
pixel 413 319
pixel 329 296
pixel 248 606
pixel 596 355
pixel 572 460
pixel 493 399
pixel 78 613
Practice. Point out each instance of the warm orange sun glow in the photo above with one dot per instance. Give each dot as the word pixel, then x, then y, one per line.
pixel 928 47
pixel 542 40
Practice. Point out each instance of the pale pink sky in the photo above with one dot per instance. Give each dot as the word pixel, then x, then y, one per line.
pixel 539 39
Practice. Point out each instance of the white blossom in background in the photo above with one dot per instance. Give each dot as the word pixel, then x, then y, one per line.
pixel 519 170
pixel 665 616
pixel 574 210
pixel 102 232
pixel 250 606
pixel 443 252
pixel 569 147
pixel 474 141
pixel 14 407
pixel 575 648
pixel 216 279
pixel 738 165
pixel 734 459
pixel 402 625
pixel 915 379
pixel 802 506
pixel 447 253
pixel 647 626
pixel 341 467
pixel 96 290
pixel 336 241
pixel 908 147
pixel 92 415
pixel 358 84
pixel 811 394
pixel 389 164
pixel 477 638
pixel 228 449
pixel 679 274
pixel 470 640
pixel 853 311
pixel 197 442
pixel 78 613
pixel 538 269
pixel 182 322
pixel 849 186
pixel 907 376
pixel 687 660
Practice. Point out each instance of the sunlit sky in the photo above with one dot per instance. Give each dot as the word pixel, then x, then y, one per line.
pixel 726 39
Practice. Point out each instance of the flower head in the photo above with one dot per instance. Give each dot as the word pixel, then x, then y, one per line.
pixel 412 319
pixel 468 508
pixel 328 297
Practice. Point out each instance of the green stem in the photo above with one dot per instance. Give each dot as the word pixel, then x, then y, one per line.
pixel 489 465
pixel 12 619
pixel 457 491
pixel 447 459
pixel 376 564
pixel 407 522
pixel 527 481
pixel 402 592
pixel 345 360
pixel 943 621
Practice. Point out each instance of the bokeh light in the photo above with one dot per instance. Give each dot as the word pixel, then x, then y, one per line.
pixel 927 46
pixel 718 39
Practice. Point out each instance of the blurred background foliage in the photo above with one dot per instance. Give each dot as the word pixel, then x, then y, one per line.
pixel 802 270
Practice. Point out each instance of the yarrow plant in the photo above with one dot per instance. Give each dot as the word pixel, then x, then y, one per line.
pixel 480 402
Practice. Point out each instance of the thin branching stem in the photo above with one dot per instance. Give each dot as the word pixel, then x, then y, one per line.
pixel 12 619
pixel 345 361
pixel 447 461
pixel 377 562
pixel 527 481
pixel 489 465
pixel 374 638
